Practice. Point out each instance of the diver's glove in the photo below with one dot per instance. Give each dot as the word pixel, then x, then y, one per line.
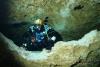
pixel 53 38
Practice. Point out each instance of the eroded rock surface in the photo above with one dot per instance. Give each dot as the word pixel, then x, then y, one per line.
pixel 71 18
pixel 83 52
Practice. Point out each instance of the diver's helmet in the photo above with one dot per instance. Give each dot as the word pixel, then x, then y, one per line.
pixel 39 22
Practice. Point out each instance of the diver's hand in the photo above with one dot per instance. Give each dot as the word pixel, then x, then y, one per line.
pixel 53 38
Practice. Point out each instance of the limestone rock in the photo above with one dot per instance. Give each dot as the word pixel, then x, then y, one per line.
pixel 71 18
pixel 73 53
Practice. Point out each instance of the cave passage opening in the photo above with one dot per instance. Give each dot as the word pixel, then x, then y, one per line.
pixel 31 44
pixel 39 36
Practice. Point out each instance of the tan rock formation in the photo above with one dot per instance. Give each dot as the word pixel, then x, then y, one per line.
pixel 76 53
pixel 68 17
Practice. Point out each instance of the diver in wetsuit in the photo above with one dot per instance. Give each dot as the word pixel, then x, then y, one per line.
pixel 41 35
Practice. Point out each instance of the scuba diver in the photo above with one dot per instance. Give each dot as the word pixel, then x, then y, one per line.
pixel 40 36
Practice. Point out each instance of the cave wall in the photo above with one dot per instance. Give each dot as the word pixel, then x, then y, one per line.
pixel 84 52
pixel 71 18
